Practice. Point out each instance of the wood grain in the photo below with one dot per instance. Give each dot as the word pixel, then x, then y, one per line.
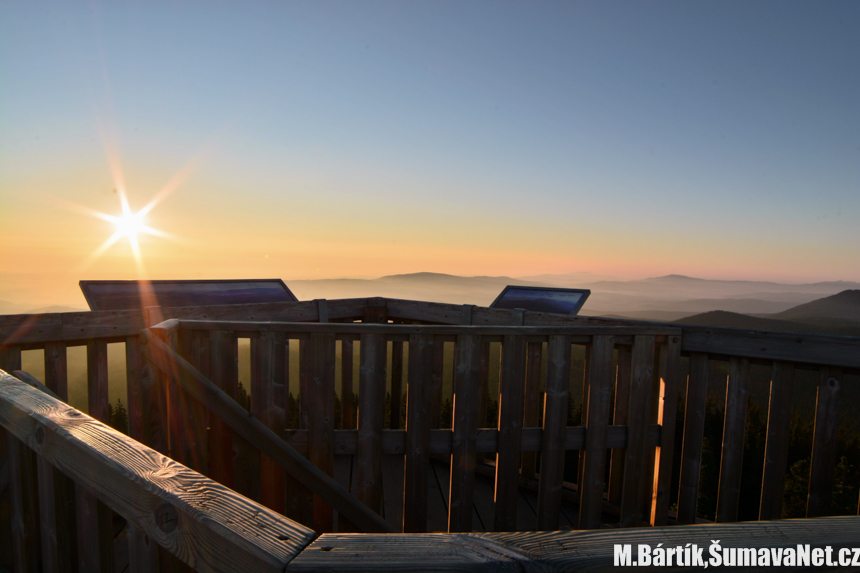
pixel 554 423
pixel 600 375
pixel 511 389
pixel 467 370
pixel 694 432
pixel 734 427
pixel 776 447
pixel 371 398
pixel 204 524
pixel 824 442
pixel 619 418
pixel 416 463
pixel 531 403
pixel 639 411
pixel 669 370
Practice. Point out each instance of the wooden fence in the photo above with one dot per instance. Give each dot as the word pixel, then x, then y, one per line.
pixel 638 364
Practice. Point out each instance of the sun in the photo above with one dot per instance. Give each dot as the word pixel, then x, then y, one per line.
pixel 129 225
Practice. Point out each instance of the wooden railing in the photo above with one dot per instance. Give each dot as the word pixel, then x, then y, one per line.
pixel 616 367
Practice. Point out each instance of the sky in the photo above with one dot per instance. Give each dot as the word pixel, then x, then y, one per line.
pixel 303 140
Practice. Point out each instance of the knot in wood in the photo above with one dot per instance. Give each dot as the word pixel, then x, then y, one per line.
pixel 40 435
pixel 833 382
pixel 166 518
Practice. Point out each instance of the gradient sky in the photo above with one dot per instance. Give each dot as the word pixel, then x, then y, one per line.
pixel 358 139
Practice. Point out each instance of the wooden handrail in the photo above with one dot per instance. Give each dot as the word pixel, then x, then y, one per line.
pixel 205 524
pixel 202 389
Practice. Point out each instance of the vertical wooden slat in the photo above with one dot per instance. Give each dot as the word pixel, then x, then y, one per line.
pixel 48 516
pixel 824 442
pixel 23 490
pixel 467 370
pixel 511 386
pixel 583 415
pixel 619 418
pixel 268 380
pixel 417 460
pixel 436 389
pixel 639 414
pixel 10 357
pixel 694 432
pixel 181 432
pixel 347 396
pixel 223 373
pixel 776 447
pixel 95 520
pixel 734 427
pixel 483 388
pixel 531 402
pixel 246 457
pixel 198 417
pixel 371 398
pixel 318 365
pixel 142 551
pixel 56 370
pixel 62 494
pixel 670 383
pixel 396 382
pixel 600 374
pixel 554 430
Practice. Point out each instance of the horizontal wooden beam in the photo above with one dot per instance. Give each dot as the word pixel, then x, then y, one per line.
pixel 486 440
pixel 593 551
pixel 206 525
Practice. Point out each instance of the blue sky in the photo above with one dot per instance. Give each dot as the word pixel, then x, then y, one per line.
pixel 718 139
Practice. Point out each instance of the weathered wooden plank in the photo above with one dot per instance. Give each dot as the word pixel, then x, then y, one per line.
pixel 639 413
pixel 371 396
pixel 206 525
pixel 223 356
pixel 347 396
pixel 268 398
pixel 23 491
pixel 318 366
pixel 734 427
pixel 467 370
pixel 511 388
pixel 592 551
pixel 824 442
pixel 48 501
pixel 600 374
pixel 669 370
pixel 694 432
pixel 619 418
pixel 619 332
pixel 778 434
pixel 197 416
pixel 554 423
pixel 142 551
pixel 416 461
pixel 396 383
pixel 56 370
pixel 436 387
pixel 483 386
pixel 531 403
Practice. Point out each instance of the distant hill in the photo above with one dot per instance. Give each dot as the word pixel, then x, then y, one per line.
pixel 838 314
pixel 844 305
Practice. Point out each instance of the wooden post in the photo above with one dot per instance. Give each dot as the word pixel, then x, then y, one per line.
pixel 223 369
pixel 531 403
pixel 436 390
pixel 776 448
pixel 694 432
pixel 268 398
pixel 347 396
pixel 639 416
pixel 622 403
pixel 318 364
pixel 417 433
pixel 23 491
pixel 554 431
pixel 824 442
pixel 198 418
pixel 56 371
pixel 599 385
pixel 670 383
pixel 467 370
pixel 734 427
pixel 396 382
pixel 371 396
pixel 511 385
